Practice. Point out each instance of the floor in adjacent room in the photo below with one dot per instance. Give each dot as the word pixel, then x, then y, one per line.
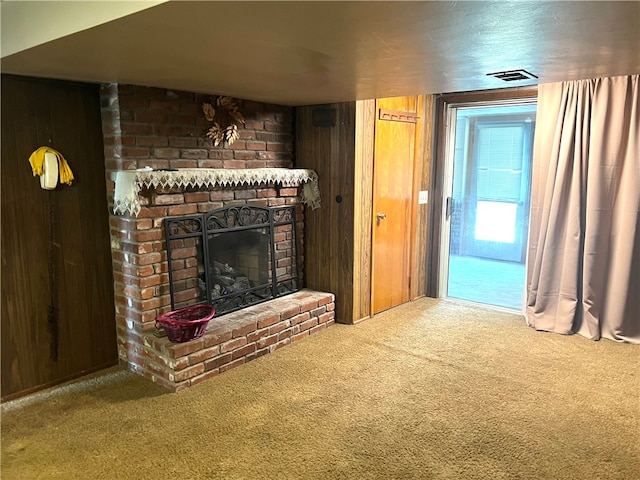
pixel 487 281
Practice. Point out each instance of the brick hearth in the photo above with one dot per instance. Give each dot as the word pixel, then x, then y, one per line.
pixel 234 339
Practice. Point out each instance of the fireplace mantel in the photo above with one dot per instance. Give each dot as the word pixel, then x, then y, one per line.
pixel 128 183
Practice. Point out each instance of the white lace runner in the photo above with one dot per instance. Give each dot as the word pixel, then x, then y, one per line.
pixel 130 182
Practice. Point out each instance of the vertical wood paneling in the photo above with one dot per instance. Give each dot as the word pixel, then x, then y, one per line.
pixel 24 246
pixel 363 201
pixel 65 116
pixel 420 215
pixel 329 243
pixel 344 135
pixel 313 144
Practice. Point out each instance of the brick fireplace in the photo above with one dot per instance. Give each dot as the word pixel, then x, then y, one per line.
pixel 164 129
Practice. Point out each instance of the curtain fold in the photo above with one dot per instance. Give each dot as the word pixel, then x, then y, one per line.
pixel 583 271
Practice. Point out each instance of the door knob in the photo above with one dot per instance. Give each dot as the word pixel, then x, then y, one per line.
pixel 380 216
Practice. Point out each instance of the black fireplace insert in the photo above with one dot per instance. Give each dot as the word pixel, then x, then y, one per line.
pixel 232 257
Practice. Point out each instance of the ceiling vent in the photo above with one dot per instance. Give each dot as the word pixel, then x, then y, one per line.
pixel 513 75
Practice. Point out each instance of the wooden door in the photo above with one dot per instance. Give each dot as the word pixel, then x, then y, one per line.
pixel 395 133
pixel 64 232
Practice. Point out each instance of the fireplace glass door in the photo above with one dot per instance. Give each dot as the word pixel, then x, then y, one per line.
pixel 239 261
pixel 232 257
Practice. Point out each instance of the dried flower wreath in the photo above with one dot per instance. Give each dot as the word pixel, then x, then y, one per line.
pixel 225 117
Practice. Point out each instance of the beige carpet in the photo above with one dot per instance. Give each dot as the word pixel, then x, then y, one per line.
pixel 429 390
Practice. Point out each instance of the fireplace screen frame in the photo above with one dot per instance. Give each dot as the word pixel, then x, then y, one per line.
pixel 198 231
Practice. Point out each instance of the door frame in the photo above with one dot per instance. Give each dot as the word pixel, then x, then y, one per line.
pixel 437 261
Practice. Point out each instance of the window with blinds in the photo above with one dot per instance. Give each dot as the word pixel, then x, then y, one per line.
pixel 499 156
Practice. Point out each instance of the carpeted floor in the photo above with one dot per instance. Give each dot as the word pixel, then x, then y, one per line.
pixel 428 390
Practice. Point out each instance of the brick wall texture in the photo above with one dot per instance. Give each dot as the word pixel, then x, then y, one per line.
pixel 234 339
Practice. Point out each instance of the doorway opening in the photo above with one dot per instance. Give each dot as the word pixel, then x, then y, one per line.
pixel 488 155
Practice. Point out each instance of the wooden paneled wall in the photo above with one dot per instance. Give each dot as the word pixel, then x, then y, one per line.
pixel 422 181
pixel 363 208
pixel 338 235
pixel 329 241
pixel 65 116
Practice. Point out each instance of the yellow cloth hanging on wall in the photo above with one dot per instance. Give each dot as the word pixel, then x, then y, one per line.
pixel 37 160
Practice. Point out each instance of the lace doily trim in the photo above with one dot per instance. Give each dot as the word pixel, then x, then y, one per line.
pixel 130 182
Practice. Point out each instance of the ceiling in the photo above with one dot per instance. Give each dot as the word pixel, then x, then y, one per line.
pixel 305 53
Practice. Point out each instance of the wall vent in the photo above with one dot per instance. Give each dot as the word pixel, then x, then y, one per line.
pixel 513 75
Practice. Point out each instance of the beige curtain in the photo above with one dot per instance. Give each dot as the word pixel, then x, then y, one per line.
pixel 584 246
